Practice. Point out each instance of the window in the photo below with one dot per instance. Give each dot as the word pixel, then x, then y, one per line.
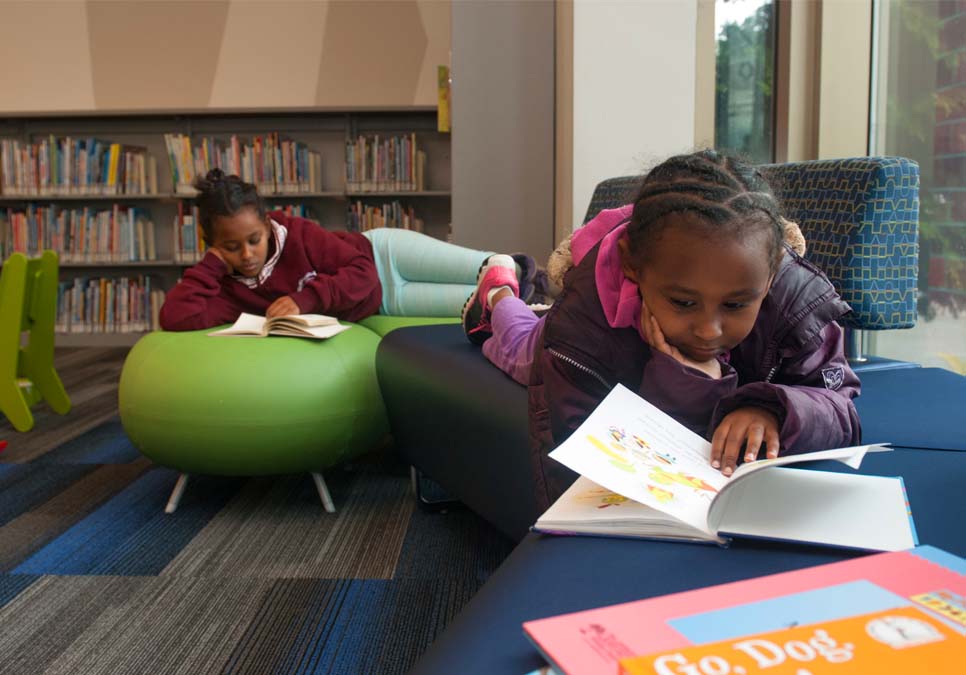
pixel 745 78
pixel 919 111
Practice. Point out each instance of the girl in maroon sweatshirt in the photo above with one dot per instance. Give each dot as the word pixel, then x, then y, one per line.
pixel 274 265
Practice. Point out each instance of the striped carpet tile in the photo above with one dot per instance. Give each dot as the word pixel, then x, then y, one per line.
pixel 249 575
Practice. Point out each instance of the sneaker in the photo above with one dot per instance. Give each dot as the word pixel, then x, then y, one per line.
pixel 526 268
pixel 497 270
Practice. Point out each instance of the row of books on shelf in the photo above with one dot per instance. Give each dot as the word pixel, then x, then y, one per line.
pixel 65 166
pixel 361 217
pixel 272 163
pixel 101 305
pixel 380 164
pixel 75 166
pixel 79 235
pixel 189 242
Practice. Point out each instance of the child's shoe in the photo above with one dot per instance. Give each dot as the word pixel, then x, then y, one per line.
pixel 496 271
pixel 526 268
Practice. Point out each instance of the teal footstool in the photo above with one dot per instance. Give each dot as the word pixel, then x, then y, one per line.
pixel 236 406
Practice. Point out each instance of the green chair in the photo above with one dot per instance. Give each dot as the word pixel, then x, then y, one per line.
pixel 28 304
pixel 256 407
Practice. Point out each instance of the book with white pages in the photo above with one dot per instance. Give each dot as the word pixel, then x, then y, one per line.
pixel 643 474
pixel 316 326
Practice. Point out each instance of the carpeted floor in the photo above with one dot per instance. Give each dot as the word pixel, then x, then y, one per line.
pixel 248 576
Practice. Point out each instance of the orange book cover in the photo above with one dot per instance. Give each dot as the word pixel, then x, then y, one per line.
pixel 900 641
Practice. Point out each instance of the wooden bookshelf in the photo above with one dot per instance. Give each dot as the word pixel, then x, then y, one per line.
pixel 324 131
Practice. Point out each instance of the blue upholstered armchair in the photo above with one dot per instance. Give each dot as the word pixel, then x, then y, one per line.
pixel 860 218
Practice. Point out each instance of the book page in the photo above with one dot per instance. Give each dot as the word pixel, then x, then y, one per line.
pixel 317 332
pixel 821 507
pixel 247 324
pixel 302 320
pixel 587 508
pixel 851 457
pixel 634 449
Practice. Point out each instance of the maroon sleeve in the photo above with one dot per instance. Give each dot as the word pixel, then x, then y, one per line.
pixel 346 281
pixel 811 395
pixel 195 301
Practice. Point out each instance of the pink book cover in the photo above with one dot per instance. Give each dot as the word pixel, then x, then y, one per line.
pixel 593 641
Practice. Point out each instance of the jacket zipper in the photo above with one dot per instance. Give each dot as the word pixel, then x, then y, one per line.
pixel 771 373
pixel 579 366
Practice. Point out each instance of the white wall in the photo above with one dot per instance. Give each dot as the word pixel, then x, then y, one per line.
pixel 633 88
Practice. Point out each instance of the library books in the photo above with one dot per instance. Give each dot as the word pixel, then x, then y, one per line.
pixel 79 235
pixel 925 579
pixel 103 305
pixel 361 217
pixel 380 164
pixel 73 166
pixel 189 243
pixel 272 163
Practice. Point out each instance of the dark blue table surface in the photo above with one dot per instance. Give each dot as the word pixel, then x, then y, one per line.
pixel 913 408
pixel 545 576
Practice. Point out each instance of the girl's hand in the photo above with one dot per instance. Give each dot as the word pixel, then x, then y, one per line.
pixel 218 254
pixel 654 336
pixel 744 429
pixel 284 306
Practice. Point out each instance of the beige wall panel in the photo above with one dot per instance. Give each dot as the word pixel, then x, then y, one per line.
pixel 372 53
pixel 50 48
pixel 846 43
pixel 706 45
pixel 436 17
pixel 155 54
pixel 564 111
pixel 254 61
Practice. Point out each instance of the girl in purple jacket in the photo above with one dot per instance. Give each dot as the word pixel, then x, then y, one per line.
pixel 691 297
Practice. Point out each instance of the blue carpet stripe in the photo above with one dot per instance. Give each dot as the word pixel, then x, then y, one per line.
pixel 12 584
pixel 130 534
pixel 105 444
pixel 23 487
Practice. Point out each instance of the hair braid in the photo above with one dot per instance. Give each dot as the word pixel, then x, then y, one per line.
pixel 223 195
pixel 730 197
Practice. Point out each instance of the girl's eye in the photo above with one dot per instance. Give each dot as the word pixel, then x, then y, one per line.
pixel 683 304
pixel 255 240
pixel 735 306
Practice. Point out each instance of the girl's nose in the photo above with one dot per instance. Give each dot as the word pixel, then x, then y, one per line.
pixel 708 329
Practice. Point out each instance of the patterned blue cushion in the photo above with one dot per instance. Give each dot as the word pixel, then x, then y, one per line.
pixel 611 193
pixel 860 218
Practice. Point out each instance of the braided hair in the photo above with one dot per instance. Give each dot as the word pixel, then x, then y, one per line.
pixel 223 195
pixel 729 195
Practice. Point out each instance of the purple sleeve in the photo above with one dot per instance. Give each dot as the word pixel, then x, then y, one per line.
pixel 686 394
pixel 812 397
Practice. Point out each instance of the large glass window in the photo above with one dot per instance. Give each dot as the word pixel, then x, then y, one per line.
pixel 919 111
pixel 745 78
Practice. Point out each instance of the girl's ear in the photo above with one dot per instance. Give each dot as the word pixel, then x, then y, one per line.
pixel 627 267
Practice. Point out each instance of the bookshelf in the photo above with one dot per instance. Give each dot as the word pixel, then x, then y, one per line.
pixel 323 131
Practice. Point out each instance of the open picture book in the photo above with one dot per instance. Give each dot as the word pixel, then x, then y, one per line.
pixel 317 326
pixel 643 474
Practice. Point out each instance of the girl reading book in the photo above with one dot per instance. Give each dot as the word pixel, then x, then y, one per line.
pixel 690 297
pixel 275 265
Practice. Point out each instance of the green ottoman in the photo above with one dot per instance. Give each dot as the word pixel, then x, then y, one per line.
pixel 252 406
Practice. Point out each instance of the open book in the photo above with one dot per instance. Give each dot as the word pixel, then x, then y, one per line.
pixel 316 326
pixel 643 474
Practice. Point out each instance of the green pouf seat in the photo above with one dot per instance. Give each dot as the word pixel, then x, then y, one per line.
pixel 252 406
